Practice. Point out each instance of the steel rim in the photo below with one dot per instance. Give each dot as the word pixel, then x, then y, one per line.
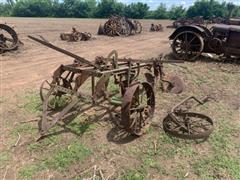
pixel 187 45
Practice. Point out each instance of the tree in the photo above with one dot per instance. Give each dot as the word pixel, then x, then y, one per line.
pixel 105 8
pixel 5 9
pixel 206 8
pixel 136 10
pixel 177 12
pixel 161 12
pixel 32 8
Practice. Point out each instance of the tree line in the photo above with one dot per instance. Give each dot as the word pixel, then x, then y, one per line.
pixel 104 8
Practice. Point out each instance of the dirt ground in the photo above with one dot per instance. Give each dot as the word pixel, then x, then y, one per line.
pixel 88 145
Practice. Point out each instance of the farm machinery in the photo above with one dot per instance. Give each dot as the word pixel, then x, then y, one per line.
pixel 8 38
pixel 156 28
pixel 189 42
pixel 187 21
pixel 120 26
pixel 75 36
pixel 134 99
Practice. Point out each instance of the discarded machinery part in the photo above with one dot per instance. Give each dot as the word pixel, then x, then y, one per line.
pixel 216 45
pixel 113 27
pixel 101 30
pixel 188 125
pixel 138 27
pixel 75 36
pixel 150 78
pixel 44 89
pixel 137 108
pixel 173 84
pixel 156 28
pixel 188 45
pixel 8 38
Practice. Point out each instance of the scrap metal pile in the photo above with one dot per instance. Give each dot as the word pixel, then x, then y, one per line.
pixel 75 36
pixel 8 39
pixel 136 99
pixel 120 26
pixel 156 28
pixel 189 42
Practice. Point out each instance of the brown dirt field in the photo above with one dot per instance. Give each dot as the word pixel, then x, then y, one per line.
pixel 91 139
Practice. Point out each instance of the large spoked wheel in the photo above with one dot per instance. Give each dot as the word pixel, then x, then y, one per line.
pixel 187 45
pixel 8 38
pixel 138 108
pixel 112 28
pixel 189 125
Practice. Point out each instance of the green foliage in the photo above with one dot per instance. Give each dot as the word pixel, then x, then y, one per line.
pixel 161 12
pixel 136 10
pixel 105 8
pixel 176 12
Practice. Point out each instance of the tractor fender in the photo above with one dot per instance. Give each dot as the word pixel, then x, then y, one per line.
pixel 203 31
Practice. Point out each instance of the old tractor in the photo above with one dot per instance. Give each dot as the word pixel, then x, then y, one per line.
pixel 75 36
pixel 189 42
pixel 120 26
pixel 8 39
pixel 134 100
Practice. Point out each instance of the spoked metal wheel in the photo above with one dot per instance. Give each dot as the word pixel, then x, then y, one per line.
pixel 112 28
pixel 187 45
pixel 188 125
pixel 56 98
pixel 138 108
pixel 8 38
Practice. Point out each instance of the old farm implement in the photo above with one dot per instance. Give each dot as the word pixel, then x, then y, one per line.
pixel 182 123
pixel 189 42
pixel 75 36
pixel 136 100
pixel 8 38
pixel 120 26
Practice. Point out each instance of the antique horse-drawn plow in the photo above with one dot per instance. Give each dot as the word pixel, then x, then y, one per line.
pixel 189 42
pixel 8 38
pixel 136 99
pixel 118 26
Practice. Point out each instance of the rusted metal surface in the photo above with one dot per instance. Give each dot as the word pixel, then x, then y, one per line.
pixel 75 36
pixel 137 100
pixel 189 42
pixel 198 20
pixel 188 125
pixel 156 28
pixel 120 26
pixel 8 38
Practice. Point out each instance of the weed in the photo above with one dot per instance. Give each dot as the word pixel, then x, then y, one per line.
pixel 133 175
pixel 75 152
pixel 24 128
pixel 4 158
pixel 32 103
pixel 29 171
pixel 219 166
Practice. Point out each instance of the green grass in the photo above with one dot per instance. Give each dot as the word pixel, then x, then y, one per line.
pixel 4 158
pixel 62 159
pixel 24 128
pixel 218 166
pixel 29 171
pixel 133 175
pixel 32 103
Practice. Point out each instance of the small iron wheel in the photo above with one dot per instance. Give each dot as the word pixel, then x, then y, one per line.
pixel 138 108
pixel 187 45
pixel 189 126
pixel 8 38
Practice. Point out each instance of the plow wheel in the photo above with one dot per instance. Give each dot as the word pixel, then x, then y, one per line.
pixel 138 108
pixel 113 28
pixel 188 125
pixel 8 38
pixel 173 84
pixel 56 98
pixel 187 45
